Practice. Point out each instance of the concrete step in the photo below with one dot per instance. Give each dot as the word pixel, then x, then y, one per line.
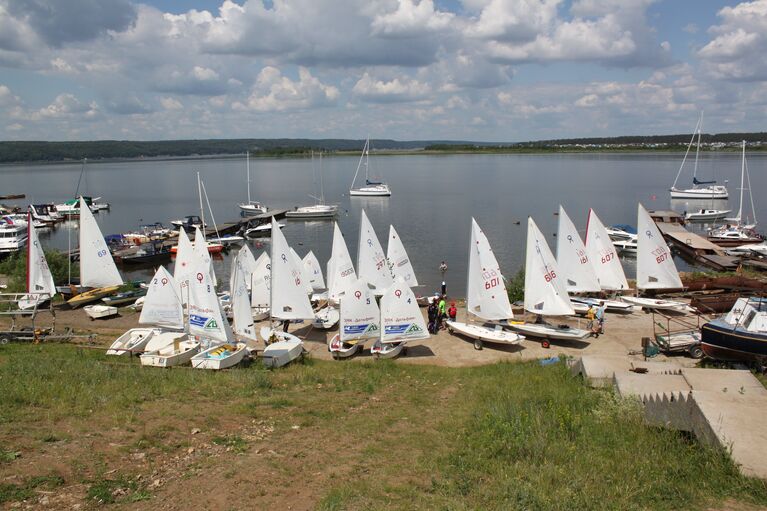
pixel 599 371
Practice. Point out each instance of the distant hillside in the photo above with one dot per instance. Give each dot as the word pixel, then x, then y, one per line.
pixel 34 151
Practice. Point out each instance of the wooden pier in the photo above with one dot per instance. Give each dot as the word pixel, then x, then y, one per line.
pixel 697 248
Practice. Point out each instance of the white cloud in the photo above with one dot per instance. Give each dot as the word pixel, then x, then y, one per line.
pixel 275 92
pixel 737 49
pixel 398 89
pixel 411 19
pixel 171 104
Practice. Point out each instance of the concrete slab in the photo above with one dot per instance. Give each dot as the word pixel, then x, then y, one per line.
pixel 736 422
pixel 729 382
pixel 600 370
pixel 646 385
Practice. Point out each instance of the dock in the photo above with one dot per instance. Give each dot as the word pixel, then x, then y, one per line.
pixel 697 248
pixel 725 408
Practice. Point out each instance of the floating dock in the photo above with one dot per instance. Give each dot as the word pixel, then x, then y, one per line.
pixel 696 247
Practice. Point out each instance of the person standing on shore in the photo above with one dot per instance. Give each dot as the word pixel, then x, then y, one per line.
pixel 600 318
pixel 452 312
pixel 441 311
pixel 432 315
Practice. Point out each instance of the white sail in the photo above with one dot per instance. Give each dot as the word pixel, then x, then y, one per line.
pixel 399 260
pixel 573 261
pixel 655 266
pixel 97 268
pixel 243 317
pixel 39 278
pixel 401 319
pixel 305 274
pixel 360 317
pixel 371 261
pixel 601 252
pixel 341 273
pixel 260 282
pixel 289 298
pixel 486 292
pixel 244 258
pixel 313 268
pixel 162 304
pixel 201 249
pixel 205 317
pixel 185 265
pixel 545 288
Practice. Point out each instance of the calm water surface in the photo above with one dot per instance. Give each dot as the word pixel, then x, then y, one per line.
pixel 433 198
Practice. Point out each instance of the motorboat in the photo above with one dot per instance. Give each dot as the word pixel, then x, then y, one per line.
pixel 189 222
pixel 262 230
pixel 626 247
pixel 13 235
pixel 734 235
pixel 704 215
pixel 620 232
pixel 315 211
pixel 757 249
pixel 741 335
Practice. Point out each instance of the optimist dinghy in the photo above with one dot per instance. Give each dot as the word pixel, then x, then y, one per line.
pixel 282 349
pixel 401 321
pixel 326 318
pixel 486 295
pixel 360 320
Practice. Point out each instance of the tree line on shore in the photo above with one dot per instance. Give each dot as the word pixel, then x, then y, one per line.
pixel 44 151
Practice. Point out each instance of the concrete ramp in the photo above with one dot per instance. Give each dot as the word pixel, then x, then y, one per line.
pixel 724 408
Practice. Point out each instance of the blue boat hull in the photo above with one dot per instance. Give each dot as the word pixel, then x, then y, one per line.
pixel 723 342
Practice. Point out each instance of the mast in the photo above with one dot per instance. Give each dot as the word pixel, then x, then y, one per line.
pixel 29 249
pixel 367 159
pixel 202 210
pixel 685 155
pixel 697 148
pixel 468 271
pixel 750 193
pixel 742 182
pixel 247 166
pixel 322 187
pixel 359 164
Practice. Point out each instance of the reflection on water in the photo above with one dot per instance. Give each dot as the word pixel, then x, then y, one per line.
pixel 433 199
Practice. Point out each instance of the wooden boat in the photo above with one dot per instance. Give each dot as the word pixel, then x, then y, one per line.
pixel 92 295
pixel 100 311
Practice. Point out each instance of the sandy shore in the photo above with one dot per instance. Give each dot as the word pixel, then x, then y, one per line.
pixel 623 335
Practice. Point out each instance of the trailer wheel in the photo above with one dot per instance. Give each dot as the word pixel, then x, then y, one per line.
pixel 696 351
pixel 477 344
pixel 5 339
pixel 545 344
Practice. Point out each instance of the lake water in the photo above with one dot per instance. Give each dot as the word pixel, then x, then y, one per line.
pixel 433 198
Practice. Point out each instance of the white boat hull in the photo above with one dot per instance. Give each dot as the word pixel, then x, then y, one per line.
pixel 326 318
pixel 544 331
pixel 482 333
pixel 652 303
pixel 313 212
pixel 371 191
pixel 282 352
pixel 716 192
pixel 174 354
pixel 100 311
pixel 216 358
pixel 134 339
pixel 610 305
pixel 260 313
pixel 387 349
pixel 341 349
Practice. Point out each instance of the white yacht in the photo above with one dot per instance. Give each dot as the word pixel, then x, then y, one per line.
pixel 370 188
pixel 13 235
pixel 700 189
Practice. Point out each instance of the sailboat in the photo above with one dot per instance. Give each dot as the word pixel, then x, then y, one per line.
pixel 289 302
pixel 372 265
pixel 341 274
pixel 573 261
pixel 700 189
pixel 399 261
pixel 251 208
pixel 162 309
pixel 401 321
pixel 319 210
pixel 230 353
pixel 655 266
pixel 260 287
pixel 601 252
pixel 40 285
pixel 326 316
pixel 545 292
pixel 360 320
pixel 97 268
pixel 738 231
pixel 370 188
pixel 486 296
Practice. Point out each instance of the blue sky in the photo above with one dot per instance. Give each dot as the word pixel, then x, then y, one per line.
pixel 495 70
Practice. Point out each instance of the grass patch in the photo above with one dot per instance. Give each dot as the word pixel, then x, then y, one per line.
pixel 8 456
pixel 17 492
pixel 390 435
pixel 119 489
pixel 233 443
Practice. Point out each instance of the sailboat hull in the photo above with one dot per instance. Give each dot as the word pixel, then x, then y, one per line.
pixel 131 341
pixel 91 296
pixel 371 191
pixel 282 352
pixel 713 192
pixel 340 349
pixel 387 349
pixel 493 335
pixel 174 354
pixel 220 357
pixel 544 331
pixel 652 303
pixel 326 318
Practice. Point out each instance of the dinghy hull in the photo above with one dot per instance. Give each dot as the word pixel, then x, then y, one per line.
pixel 219 357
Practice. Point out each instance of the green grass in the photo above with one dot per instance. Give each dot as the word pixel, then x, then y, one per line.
pixel 10 492
pixel 505 436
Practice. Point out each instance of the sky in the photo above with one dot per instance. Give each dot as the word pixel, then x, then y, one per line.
pixel 484 70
